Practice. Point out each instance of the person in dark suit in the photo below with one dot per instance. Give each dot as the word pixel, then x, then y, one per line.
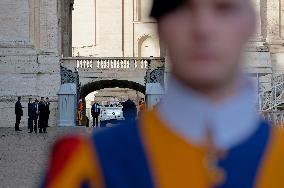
pixel 96 111
pixel 31 115
pixel 35 115
pixel 18 113
pixel 47 103
pixel 129 110
pixel 43 115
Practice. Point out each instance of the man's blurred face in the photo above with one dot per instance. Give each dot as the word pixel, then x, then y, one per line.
pixel 205 39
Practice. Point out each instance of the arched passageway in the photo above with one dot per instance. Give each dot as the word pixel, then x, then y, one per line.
pixel 87 95
pixel 102 84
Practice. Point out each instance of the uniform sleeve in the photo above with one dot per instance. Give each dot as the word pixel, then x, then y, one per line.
pixel 271 171
pixel 73 164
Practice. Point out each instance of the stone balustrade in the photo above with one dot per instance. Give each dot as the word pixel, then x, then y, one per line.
pixel 89 64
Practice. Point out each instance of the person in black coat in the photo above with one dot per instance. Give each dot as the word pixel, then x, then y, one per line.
pixel 33 116
pixel 43 115
pixel 36 114
pixel 96 111
pixel 129 110
pixel 47 103
pixel 30 114
pixel 18 113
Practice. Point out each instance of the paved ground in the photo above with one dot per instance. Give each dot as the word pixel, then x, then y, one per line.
pixel 23 155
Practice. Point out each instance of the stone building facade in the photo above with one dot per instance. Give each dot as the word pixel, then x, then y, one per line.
pixel 114 28
pixel 35 34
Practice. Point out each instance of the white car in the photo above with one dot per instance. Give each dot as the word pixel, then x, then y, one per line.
pixel 111 114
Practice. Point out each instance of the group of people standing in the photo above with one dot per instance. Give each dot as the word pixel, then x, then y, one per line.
pixel 38 112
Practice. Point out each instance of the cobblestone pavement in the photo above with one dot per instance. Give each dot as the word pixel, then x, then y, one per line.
pixel 23 155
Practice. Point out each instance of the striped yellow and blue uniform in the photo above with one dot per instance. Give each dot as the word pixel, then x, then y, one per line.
pixel 148 154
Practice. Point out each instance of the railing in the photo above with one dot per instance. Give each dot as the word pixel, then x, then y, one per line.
pixel 87 64
pixel 276 118
pixel 272 97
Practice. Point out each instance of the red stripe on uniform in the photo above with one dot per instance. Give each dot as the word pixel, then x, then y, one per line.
pixel 61 153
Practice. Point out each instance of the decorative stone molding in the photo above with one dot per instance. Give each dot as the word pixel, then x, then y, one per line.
pixel 156 76
pixel 67 76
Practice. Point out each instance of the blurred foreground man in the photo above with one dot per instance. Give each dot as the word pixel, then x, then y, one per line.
pixel 214 138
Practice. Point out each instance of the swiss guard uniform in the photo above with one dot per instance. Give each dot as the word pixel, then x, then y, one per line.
pixel 187 142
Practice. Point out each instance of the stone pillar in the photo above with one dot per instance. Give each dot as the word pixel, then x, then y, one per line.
pixel 273 20
pixel 154 94
pixel 282 18
pixel 257 5
pixel 274 39
pixel 67 104
pixel 66 8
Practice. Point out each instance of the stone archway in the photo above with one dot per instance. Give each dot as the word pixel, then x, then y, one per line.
pixel 102 84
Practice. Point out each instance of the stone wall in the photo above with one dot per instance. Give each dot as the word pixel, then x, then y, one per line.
pixel 29 55
pixel 116 29
pixel 29 76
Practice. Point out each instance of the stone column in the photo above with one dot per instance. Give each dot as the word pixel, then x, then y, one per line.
pixel 258 34
pixel 66 27
pixel 273 20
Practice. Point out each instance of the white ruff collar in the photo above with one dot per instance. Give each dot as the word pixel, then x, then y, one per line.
pixel 189 114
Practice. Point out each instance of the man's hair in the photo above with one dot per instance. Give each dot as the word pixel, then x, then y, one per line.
pixel 19 98
pixel 163 7
pixel 42 98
